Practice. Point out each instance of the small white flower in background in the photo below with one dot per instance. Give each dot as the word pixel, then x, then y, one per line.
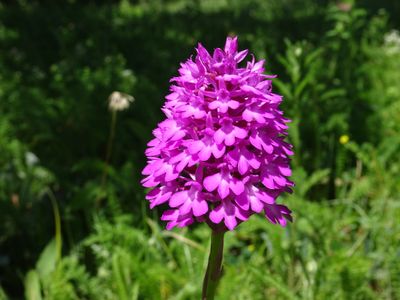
pixel 298 51
pixel 127 73
pixel 312 266
pixel 392 42
pixel 31 159
pixel 119 101
pixel 392 37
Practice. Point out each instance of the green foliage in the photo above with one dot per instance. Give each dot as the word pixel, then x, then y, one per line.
pixel 74 222
pixel 32 286
pixel 335 250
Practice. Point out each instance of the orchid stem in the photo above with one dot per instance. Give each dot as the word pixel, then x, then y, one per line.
pixel 214 267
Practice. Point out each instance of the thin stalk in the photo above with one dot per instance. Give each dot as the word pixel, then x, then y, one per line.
pixel 111 136
pixel 108 152
pixel 214 267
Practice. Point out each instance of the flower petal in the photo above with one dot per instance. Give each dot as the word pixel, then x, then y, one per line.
pixel 223 189
pixel 178 199
pixel 217 214
pixel 199 207
pixel 212 182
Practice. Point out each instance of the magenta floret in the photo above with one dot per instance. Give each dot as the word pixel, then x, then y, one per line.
pixel 220 156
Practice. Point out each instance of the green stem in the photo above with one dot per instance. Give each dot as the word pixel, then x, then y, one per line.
pixel 108 153
pixel 214 267
pixel 111 136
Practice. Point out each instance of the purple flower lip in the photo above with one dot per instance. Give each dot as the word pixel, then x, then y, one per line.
pixel 220 156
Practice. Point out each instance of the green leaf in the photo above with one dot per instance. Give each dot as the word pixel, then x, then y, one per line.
pixel 32 286
pixel 135 292
pixel 120 268
pixel 47 260
pixel 3 295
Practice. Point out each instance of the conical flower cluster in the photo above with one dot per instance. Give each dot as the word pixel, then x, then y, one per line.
pixel 220 155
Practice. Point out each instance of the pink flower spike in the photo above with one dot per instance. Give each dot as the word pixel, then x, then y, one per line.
pixel 220 154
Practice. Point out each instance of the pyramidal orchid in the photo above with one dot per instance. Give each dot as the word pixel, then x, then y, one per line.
pixel 220 155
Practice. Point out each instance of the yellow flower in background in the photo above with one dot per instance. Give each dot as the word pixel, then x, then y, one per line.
pixel 344 139
pixel 251 247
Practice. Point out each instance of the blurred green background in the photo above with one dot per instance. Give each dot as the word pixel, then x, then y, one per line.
pixel 73 220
